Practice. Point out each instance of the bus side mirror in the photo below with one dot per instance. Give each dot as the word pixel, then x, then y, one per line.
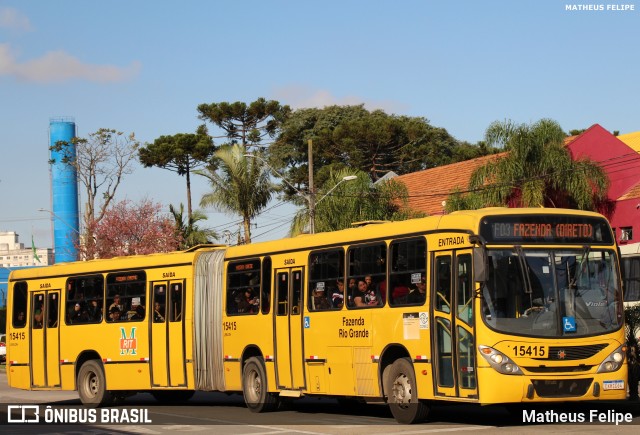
pixel 480 264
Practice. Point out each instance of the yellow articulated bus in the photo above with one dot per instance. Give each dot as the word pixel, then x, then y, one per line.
pixel 488 306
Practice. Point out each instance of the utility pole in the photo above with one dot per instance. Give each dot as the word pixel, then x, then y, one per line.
pixel 312 192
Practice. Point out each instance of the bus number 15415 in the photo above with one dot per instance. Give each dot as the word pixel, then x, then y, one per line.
pixel 530 351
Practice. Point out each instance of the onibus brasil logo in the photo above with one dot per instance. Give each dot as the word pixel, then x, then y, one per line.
pixel 128 345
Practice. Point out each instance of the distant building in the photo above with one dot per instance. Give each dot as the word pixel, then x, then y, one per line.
pixel 14 254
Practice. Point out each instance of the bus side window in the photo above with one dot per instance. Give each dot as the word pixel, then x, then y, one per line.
pixel 159 303
pixel 442 284
pixel 326 270
pixel 176 302
pixel 19 304
pixel 266 285
pixel 408 272
pixel 369 264
pixel 244 287
pixel 37 308
pixel 52 310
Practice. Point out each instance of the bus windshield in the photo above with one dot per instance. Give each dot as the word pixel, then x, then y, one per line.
pixel 552 293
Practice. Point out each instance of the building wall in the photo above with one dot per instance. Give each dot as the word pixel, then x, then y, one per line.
pixel 627 215
pixel 14 254
pixel 620 161
pixel 622 165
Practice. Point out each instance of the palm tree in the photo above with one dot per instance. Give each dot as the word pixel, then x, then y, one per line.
pixel 191 235
pixel 354 201
pixel 536 171
pixel 241 185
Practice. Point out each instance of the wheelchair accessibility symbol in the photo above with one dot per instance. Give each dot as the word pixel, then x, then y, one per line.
pixel 307 322
pixel 569 324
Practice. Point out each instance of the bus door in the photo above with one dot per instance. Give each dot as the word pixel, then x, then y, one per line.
pixel 455 368
pixel 168 362
pixel 288 328
pixel 45 339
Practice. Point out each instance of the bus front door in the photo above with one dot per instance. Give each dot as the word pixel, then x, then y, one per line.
pixel 288 329
pixel 168 364
pixel 45 339
pixel 455 367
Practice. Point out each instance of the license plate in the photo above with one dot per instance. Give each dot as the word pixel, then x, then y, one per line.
pixel 613 385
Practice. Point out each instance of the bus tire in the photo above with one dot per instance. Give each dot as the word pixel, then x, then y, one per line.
pixel 254 387
pixel 402 394
pixel 92 385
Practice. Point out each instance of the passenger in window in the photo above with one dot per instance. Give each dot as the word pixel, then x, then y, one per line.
pixel 400 293
pixel 114 314
pixel 20 321
pixel 78 315
pixel 94 311
pixel 320 301
pixel 249 302
pixel 419 294
pixel 369 281
pixel 138 313
pixel 116 303
pixel 337 297
pixel 352 290
pixel 157 312
pixel 37 319
pixel 364 296
pixel 131 314
pixel 80 298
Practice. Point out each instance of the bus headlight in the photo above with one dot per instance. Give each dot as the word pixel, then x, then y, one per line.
pixel 499 361
pixel 614 361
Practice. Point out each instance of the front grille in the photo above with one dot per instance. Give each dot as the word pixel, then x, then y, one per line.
pixel 562 388
pixel 566 369
pixel 567 353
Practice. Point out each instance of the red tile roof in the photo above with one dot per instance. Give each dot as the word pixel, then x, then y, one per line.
pixel 427 189
pixel 632 193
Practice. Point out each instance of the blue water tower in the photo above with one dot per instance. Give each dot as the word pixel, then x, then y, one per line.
pixel 64 191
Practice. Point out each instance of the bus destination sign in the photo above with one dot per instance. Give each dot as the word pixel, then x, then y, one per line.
pixel 545 229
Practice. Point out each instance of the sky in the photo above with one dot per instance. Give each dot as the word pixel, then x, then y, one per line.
pixel 144 66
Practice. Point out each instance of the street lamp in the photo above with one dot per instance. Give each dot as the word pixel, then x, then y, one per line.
pixel 310 198
pixel 346 178
pixel 53 215
pixel 64 245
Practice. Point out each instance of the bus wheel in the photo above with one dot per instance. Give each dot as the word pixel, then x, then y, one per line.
pixel 172 396
pixel 402 394
pixel 92 385
pixel 254 387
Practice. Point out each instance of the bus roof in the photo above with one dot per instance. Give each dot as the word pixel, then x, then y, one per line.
pixel 460 221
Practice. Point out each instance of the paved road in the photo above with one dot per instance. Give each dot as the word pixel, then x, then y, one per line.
pixel 221 413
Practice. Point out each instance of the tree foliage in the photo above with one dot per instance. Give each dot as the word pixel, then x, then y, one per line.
pixel 537 171
pixel 101 161
pixel 135 228
pixel 240 185
pixel 181 153
pixel 353 201
pixel 187 228
pixel 246 124
pixel 353 137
